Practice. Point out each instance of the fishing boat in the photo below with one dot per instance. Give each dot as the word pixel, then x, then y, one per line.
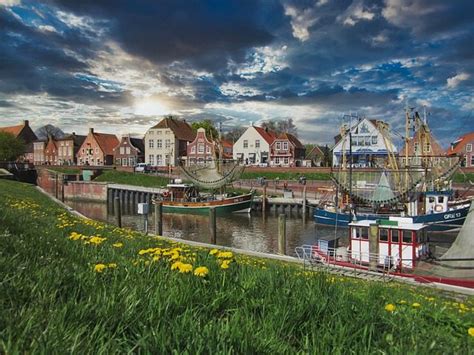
pixel 414 184
pixel 185 198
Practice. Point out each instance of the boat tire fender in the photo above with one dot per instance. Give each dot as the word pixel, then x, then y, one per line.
pixel 438 208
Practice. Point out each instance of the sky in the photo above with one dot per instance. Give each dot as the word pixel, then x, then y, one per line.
pixel 121 65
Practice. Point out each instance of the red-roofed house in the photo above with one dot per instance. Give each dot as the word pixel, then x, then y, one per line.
pixel 253 146
pixel 51 152
pixel 286 150
pixel 200 149
pixel 463 146
pixel 227 149
pixel 129 152
pixel 25 133
pixel 97 149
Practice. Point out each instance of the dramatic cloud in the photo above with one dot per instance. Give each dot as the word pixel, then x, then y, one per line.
pixel 457 79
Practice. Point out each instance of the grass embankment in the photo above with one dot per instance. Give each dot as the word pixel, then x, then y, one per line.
pixel 136 179
pixel 463 177
pixel 65 170
pixel 74 285
pixel 271 175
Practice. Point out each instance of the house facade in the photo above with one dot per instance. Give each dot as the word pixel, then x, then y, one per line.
pixel 51 152
pixel 253 146
pixel 422 144
pixel 97 149
pixel 463 146
pixel 166 142
pixel 25 133
pixel 68 147
pixel 286 150
pixel 368 145
pixel 38 152
pixel 315 156
pixel 201 149
pixel 129 152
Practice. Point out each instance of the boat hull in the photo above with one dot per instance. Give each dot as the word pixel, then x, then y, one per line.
pixel 437 222
pixel 238 204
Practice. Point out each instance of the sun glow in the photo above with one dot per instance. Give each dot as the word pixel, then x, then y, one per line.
pixel 150 107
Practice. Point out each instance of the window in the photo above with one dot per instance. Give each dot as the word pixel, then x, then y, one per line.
pixel 150 143
pixel 427 147
pixel 193 149
pixel 472 160
pixel 257 143
pixel 395 235
pixel 278 145
pixel 122 150
pixel 167 132
pixel 469 147
pixel 383 235
pixel 158 132
pixel 364 233
pixel 277 160
pixel 406 237
pixel 285 161
pixel 159 159
pixel 208 149
pixel 246 143
pixel 416 147
pixel 374 139
pixel 167 143
pixel 151 159
pixel 440 199
pixel 159 143
pixel 127 150
pixel 96 150
pixel 200 148
pixel 285 145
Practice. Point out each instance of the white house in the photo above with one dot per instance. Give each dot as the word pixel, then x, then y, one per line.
pixel 166 142
pixel 253 146
pixel 368 145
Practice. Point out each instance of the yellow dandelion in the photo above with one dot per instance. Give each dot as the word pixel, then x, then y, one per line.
pixel 185 268
pixel 213 251
pixel 201 271
pixel 225 264
pixel 416 305
pixel 390 307
pixel 470 331
pixel 156 258
pixel 112 265
pixel 176 265
pixel 99 267
pixel 117 245
pixel 225 255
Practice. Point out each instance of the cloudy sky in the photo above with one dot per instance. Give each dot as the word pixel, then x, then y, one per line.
pixel 120 65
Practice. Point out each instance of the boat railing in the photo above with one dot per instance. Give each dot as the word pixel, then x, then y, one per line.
pixel 346 260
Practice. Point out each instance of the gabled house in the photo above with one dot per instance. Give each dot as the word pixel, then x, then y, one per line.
pixel 368 145
pixel 315 156
pixel 38 152
pixel 51 152
pixel 129 152
pixel 97 149
pixel 201 149
pixel 68 147
pixel 166 142
pixel 463 146
pixel 286 150
pixel 253 146
pixel 227 150
pixel 24 132
pixel 422 144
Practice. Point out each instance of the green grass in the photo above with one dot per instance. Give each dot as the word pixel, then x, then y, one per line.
pixel 460 177
pixel 136 179
pixel 52 300
pixel 65 170
pixel 271 175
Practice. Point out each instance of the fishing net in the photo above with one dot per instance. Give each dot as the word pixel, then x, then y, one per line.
pixel 212 174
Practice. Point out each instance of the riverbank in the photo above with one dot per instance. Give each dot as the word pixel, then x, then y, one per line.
pixel 75 285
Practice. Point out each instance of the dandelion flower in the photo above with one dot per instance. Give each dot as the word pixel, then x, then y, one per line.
pixel 470 331
pixel 416 305
pixel 112 265
pixel 225 255
pixel 201 271
pixel 117 245
pixel 225 264
pixel 390 307
pixel 185 268
pixel 176 265
pixel 99 267
pixel 213 251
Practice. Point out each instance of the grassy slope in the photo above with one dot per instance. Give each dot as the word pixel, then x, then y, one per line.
pixel 52 300
pixel 284 175
pixel 136 179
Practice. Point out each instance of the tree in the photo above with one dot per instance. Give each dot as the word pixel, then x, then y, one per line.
pixel 282 126
pixel 234 134
pixel 10 147
pixel 208 125
pixel 49 130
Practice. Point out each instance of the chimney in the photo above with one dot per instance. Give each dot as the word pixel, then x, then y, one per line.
pixel 26 123
pixel 91 130
pixel 73 133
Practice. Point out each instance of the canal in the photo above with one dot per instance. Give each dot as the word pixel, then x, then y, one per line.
pixel 251 232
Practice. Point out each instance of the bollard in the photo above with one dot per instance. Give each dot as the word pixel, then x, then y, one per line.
pixel 212 225
pixel 373 246
pixel 264 198
pixel 282 234
pixel 118 212
pixel 159 218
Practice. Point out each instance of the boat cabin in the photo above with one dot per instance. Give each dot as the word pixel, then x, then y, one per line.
pixel 400 242
pixel 181 193
pixel 429 202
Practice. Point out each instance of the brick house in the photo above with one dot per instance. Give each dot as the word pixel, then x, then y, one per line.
pixel 422 144
pixel 24 132
pixel 68 147
pixel 315 156
pixel 200 149
pixel 166 142
pixel 463 146
pixel 97 149
pixel 227 149
pixel 286 150
pixel 51 152
pixel 129 152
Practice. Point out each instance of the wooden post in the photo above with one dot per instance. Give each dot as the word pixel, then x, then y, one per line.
pixel 56 194
pixel 373 246
pixel 304 200
pixel 62 188
pixel 159 218
pixel 212 225
pixel 118 212
pixel 264 198
pixel 282 234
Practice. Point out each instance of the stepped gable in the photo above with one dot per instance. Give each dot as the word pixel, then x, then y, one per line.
pixel 269 136
pixel 181 129
pixel 295 141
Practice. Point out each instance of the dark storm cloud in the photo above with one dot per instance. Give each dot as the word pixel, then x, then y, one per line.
pixel 206 33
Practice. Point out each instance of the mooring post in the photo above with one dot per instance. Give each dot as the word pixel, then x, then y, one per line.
pixel 56 194
pixel 373 246
pixel 264 198
pixel 62 187
pixel 159 218
pixel 304 201
pixel 212 225
pixel 118 211
pixel 282 234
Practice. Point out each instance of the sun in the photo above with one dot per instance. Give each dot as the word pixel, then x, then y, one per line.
pixel 150 107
